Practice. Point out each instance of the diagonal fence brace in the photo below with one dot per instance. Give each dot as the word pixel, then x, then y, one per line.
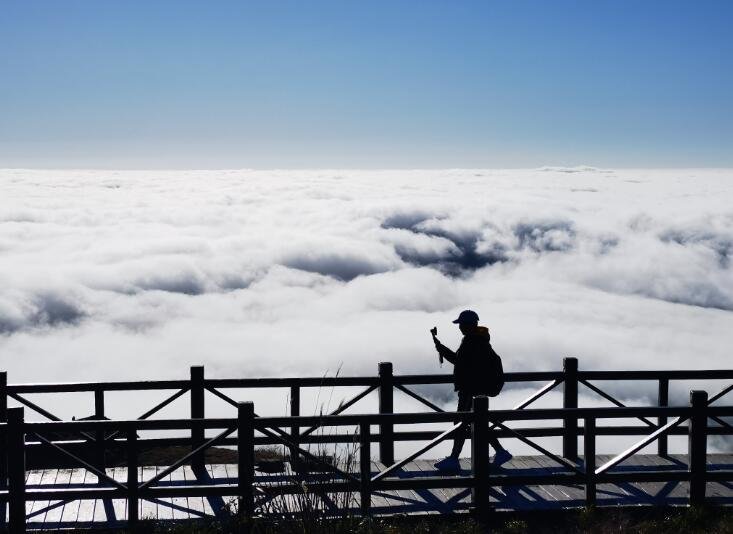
pixel 533 397
pixel 276 433
pixel 33 406
pixel 394 467
pixel 721 422
pixel 640 445
pixel 222 396
pixel 155 409
pixel 721 393
pixel 88 466
pixel 613 400
pixel 419 398
pixel 343 407
pixel 48 508
pixel 540 448
pixel 177 507
pixel 660 431
pixel 187 457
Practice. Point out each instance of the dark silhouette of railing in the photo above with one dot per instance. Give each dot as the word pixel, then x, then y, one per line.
pixel 18 436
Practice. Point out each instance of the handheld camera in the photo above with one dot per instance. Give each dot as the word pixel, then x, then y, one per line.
pixel 434 332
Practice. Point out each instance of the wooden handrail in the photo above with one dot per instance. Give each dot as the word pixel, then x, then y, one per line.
pixel 344 381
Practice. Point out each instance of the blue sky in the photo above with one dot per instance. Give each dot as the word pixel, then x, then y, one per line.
pixel 216 84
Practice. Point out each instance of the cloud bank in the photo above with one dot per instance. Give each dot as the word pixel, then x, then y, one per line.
pixel 134 275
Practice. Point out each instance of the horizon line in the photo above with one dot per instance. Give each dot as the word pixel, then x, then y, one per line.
pixel 578 168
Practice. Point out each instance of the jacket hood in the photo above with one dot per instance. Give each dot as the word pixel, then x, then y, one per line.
pixel 480 331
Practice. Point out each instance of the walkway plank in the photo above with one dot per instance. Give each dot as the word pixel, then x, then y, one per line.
pixel 165 511
pixel 148 508
pixel 180 504
pixel 120 505
pixel 71 509
pixel 85 513
pixel 53 516
pixel 33 478
pixel 195 504
pixel 48 479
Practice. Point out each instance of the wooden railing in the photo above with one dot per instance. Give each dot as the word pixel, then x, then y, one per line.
pixel 294 430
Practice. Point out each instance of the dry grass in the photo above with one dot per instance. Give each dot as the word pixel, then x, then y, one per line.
pixel 600 521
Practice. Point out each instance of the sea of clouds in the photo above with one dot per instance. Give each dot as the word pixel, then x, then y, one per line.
pixel 112 275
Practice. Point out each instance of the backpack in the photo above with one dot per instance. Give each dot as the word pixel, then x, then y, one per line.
pixel 495 372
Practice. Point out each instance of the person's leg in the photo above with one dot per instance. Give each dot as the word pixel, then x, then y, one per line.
pixel 501 455
pixel 451 462
pixel 459 439
pixel 494 442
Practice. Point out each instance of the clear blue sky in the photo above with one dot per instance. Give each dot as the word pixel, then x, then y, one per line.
pixel 419 83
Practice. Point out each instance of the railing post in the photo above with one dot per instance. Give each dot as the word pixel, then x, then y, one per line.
pixel 589 453
pixel 480 458
pixel 663 397
pixel 697 446
pixel 99 446
pixel 197 412
pixel 133 512
pixel 570 400
pixel 245 457
pixel 3 396
pixel 294 430
pixel 365 468
pixel 16 470
pixel 3 437
pixel 386 406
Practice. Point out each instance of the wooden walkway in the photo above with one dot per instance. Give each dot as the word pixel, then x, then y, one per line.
pixel 112 512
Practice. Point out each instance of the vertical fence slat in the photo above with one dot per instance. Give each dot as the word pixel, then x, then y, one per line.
pixel 386 406
pixel 570 400
pixel 197 412
pixel 294 430
pixel 245 457
pixel 697 446
pixel 480 458
pixel 99 447
pixel 16 470
pixel 3 440
pixel 365 468
pixel 3 396
pixel 133 500
pixel 663 397
pixel 589 453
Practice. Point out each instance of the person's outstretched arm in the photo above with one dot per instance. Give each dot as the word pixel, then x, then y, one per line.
pixel 444 351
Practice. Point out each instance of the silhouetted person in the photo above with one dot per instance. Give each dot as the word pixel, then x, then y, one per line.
pixel 477 370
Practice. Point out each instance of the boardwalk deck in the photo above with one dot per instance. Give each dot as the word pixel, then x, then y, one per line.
pixel 98 513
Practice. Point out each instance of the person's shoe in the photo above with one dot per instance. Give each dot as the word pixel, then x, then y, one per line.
pixel 448 464
pixel 502 457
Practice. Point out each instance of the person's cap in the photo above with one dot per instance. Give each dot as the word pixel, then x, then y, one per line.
pixel 467 316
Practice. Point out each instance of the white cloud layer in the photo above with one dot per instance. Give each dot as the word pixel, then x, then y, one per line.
pixel 133 275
